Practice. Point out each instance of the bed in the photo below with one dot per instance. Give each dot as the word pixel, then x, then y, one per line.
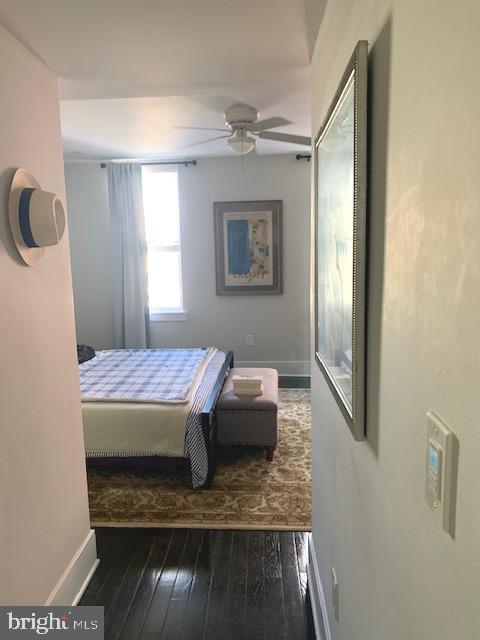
pixel 153 408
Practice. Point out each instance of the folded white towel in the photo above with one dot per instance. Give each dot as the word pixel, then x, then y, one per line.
pixel 248 392
pixel 247 385
pixel 247 379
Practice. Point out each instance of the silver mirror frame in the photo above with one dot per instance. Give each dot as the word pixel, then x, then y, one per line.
pixel 354 416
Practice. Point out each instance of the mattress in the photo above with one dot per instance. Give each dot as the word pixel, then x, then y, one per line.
pixel 132 428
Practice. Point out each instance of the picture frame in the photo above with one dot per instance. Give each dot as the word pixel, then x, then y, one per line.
pixel 248 247
pixel 340 187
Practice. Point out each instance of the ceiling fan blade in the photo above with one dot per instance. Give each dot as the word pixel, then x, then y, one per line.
pixel 285 137
pixel 269 123
pixel 195 144
pixel 203 129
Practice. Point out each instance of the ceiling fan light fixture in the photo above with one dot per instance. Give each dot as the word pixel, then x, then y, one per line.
pixel 241 144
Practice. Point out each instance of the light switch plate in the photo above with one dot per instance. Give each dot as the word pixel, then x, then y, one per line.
pixel 440 474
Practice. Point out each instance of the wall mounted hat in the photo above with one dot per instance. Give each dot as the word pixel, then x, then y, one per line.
pixel 37 217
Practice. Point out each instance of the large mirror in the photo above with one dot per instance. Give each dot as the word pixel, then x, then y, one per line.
pixel 340 242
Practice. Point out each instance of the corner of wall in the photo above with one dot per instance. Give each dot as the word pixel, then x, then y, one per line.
pixel 317 595
pixel 77 575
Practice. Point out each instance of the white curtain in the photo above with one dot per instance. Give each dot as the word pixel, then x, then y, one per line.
pixel 129 254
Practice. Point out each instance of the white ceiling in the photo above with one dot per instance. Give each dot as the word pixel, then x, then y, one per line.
pixel 132 71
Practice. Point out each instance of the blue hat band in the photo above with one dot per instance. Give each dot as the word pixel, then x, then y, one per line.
pixel 24 218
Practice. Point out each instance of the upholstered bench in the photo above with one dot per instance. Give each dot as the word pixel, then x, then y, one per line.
pixel 249 420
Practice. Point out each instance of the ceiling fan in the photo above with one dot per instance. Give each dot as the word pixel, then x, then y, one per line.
pixel 243 123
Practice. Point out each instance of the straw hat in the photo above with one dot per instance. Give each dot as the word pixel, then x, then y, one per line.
pixel 37 217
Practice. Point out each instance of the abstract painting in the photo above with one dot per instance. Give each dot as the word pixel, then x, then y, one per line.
pixel 248 247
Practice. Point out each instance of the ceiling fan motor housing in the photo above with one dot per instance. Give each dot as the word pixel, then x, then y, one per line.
pixel 240 115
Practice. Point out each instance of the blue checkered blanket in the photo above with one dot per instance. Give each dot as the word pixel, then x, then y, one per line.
pixel 141 375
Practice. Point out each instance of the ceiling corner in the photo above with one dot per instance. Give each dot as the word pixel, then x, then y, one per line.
pixel 314 10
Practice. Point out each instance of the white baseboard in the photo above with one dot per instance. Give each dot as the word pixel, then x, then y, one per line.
pixel 317 596
pixel 78 574
pixel 284 367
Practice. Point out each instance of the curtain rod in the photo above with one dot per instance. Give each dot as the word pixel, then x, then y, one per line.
pixel 184 162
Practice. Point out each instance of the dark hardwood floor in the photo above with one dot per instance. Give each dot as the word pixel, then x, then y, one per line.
pixel 192 584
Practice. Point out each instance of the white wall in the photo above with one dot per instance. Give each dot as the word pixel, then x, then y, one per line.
pixel 87 197
pixel 43 491
pixel 400 575
pixel 279 323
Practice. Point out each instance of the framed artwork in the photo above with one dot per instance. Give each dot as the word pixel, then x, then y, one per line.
pixel 340 242
pixel 248 247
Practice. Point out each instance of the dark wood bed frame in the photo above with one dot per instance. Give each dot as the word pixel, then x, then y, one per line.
pixel 208 419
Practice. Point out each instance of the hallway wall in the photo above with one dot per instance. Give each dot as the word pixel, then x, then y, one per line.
pixel 400 576
pixel 45 532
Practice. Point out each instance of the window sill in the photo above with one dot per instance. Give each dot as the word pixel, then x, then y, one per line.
pixel 168 316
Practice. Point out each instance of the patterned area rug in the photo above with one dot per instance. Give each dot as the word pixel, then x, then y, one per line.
pixel 247 491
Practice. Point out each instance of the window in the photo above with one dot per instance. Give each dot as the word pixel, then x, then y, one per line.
pixel 162 228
